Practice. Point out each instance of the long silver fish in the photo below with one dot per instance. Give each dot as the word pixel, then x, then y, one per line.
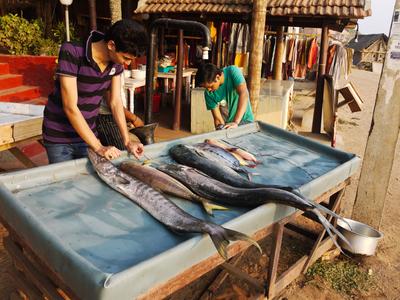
pixel 188 155
pixel 162 182
pixel 161 208
pixel 220 192
pixel 220 155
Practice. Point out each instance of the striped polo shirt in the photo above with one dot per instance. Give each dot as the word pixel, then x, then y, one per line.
pixel 76 60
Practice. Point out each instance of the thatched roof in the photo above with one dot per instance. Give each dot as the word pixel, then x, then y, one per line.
pixel 347 9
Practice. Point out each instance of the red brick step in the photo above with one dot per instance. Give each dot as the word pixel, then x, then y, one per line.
pixel 4 68
pixel 19 94
pixel 37 101
pixel 8 81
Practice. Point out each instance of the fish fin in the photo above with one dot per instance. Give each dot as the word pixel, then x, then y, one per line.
pixel 210 206
pixel 221 240
pixel 321 207
pixel 249 176
pixel 121 180
pixel 233 235
pixel 329 228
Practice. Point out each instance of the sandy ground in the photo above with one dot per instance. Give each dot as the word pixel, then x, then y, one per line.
pixel 353 131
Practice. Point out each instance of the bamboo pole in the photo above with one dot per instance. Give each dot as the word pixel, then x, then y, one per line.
pixel 256 47
pixel 280 47
pixel 382 139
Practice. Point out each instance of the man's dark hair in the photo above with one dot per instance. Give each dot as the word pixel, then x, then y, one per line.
pixel 206 73
pixel 129 36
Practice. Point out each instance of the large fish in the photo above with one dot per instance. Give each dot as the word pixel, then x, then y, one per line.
pixel 161 208
pixel 220 192
pixel 220 155
pixel 190 156
pixel 162 182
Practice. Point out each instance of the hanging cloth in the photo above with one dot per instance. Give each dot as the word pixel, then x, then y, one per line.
pixel 313 53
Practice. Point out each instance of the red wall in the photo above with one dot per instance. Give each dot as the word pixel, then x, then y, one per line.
pixel 36 70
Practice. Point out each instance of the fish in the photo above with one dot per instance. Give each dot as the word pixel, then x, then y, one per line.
pixel 235 150
pixel 162 182
pixel 220 155
pixel 220 192
pixel 161 208
pixel 190 156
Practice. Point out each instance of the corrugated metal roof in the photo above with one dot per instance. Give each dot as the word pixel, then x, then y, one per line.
pixel 332 8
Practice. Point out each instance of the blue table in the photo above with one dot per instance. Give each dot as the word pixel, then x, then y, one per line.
pixel 93 243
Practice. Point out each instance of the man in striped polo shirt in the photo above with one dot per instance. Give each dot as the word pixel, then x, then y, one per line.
pixel 84 74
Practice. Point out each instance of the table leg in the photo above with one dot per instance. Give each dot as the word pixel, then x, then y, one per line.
pixel 187 90
pixel 131 99
pixel 273 264
pixel 173 91
pixel 334 203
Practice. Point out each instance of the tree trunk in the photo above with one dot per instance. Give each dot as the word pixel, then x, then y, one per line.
pixel 115 10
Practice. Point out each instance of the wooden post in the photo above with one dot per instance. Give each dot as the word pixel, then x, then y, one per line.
pixel 256 51
pixel 280 46
pixel 178 86
pixel 319 94
pixel 219 44
pixel 383 136
pixel 92 14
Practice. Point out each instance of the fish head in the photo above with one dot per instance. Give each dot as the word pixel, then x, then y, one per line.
pixel 173 169
pixel 99 163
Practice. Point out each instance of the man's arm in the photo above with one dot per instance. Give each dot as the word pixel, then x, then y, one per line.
pixel 242 105
pixel 218 119
pixel 134 119
pixel 117 109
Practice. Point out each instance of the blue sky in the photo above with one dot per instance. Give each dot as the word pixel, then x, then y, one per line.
pixel 381 18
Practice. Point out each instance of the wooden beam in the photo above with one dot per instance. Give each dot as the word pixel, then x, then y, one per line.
pixel 382 139
pixel 280 47
pixel 319 95
pixel 256 51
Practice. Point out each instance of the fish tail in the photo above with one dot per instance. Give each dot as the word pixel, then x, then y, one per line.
pixel 322 208
pixel 208 206
pixel 222 237
pixel 329 228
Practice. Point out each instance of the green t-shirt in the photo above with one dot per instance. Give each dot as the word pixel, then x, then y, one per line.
pixel 228 95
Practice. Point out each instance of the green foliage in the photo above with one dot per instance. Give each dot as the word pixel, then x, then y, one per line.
pixel 20 36
pixel 342 275
pixel 17 35
pixel 59 33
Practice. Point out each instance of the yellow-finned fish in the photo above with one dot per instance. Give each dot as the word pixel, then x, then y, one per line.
pixel 161 208
pixel 165 183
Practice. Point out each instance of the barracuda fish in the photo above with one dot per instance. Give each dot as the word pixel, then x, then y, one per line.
pixel 190 156
pixel 220 155
pixel 162 182
pixel 220 192
pixel 161 208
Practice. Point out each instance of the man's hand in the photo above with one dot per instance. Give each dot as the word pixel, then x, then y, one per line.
pixel 231 125
pixel 109 152
pixel 135 148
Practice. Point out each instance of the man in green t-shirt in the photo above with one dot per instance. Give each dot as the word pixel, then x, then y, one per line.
pixel 226 95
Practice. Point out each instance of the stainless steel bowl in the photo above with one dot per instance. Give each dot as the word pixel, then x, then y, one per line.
pixel 363 238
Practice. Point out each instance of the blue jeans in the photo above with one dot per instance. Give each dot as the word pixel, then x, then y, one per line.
pixel 63 152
